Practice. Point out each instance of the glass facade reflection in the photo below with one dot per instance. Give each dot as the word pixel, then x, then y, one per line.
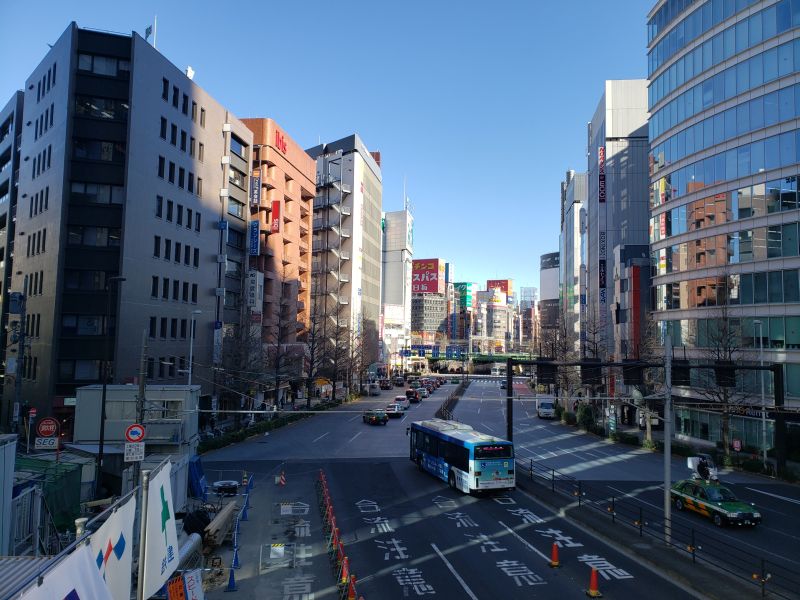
pixel 724 97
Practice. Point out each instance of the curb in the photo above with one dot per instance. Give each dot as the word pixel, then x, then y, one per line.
pixel 706 581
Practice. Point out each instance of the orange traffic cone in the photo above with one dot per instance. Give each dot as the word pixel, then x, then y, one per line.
pixel 554 557
pixel 594 590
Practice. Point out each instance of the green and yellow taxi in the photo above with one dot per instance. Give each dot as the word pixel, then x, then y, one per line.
pixel 714 501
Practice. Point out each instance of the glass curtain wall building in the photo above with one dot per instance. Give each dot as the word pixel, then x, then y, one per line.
pixel 724 105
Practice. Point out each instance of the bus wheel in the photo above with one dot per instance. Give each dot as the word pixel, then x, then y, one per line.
pixel 419 463
pixel 451 480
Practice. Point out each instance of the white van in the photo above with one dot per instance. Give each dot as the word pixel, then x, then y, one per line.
pixel 545 409
pixel 374 389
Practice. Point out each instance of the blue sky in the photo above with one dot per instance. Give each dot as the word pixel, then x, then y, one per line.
pixel 481 107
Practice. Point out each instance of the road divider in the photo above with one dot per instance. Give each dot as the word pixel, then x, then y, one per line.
pixel 445 411
pixel 340 562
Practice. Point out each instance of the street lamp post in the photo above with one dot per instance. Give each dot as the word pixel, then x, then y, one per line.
pixel 763 401
pixel 191 344
pixel 106 374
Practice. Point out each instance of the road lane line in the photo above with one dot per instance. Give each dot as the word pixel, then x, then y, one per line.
pixel 773 495
pixel 479 409
pixel 320 437
pixel 520 538
pixel 455 573
pixel 487 427
pixel 354 437
pixel 354 418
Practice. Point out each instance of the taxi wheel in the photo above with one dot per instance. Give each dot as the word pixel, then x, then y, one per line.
pixel 717 518
pixel 451 480
pixel 678 504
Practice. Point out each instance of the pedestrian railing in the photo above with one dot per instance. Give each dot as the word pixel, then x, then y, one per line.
pixel 776 579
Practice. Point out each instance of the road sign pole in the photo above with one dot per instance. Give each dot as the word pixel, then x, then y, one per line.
pixel 509 399
pixel 145 486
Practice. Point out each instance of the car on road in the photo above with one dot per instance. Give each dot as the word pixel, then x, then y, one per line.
pixel 399 381
pixel 375 417
pixel 394 411
pixel 402 401
pixel 714 501
pixel 413 395
pixel 503 384
pixel 374 389
pixel 385 384
pixel 423 392
pixel 545 409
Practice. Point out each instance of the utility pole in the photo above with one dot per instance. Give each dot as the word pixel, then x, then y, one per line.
pixel 667 439
pixel 140 396
pixel 510 399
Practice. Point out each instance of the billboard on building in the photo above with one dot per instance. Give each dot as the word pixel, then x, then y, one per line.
pixel 506 285
pixel 427 276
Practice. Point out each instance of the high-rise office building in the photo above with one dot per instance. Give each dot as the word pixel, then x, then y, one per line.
pixel 398 252
pixel 573 199
pixel 346 243
pixel 616 204
pixel 10 140
pixel 130 170
pixel 724 104
pixel 548 290
pixel 429 302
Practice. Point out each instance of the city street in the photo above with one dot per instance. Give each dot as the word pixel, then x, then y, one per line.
pixel 620 470
pixel 406 533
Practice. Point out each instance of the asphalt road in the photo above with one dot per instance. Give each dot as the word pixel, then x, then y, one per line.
pixel 620 470
pixel 406 533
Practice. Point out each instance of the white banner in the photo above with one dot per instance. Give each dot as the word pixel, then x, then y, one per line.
pixel 161 550
pixel 193 581
pixel 75 578
pixel 112 549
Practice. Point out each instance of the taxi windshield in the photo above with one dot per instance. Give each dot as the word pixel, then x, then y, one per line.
pixel 720 495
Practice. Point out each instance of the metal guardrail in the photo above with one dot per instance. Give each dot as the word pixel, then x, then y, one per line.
pixel 774 578
pixel 445 411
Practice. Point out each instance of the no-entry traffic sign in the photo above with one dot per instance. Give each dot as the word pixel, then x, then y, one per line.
pixel 47 427
pixel 134 433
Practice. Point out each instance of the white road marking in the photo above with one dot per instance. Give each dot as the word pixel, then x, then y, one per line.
pixel 455 573
pixel 774 495
pixel 354 437
pixel 519 537
pixel 320 437
pixel 354 418
pixel 479 409
pixel 487 427
pixel 404 418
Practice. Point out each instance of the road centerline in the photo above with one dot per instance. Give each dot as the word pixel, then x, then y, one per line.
pixel 452 569
pixel 320 437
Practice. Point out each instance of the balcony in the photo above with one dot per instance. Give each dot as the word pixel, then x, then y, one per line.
pixel 344 278
pixel 322 223
pixel 345 210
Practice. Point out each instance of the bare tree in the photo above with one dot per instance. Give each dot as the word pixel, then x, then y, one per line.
pixel 314 337
pixel 723 343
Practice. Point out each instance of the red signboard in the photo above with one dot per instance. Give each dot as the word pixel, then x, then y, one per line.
pixel 275 217
pixel 280 142
pixel 427 276
pixel 47 427
pixel 505 285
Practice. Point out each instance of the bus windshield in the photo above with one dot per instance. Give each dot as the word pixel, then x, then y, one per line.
pixel 493 451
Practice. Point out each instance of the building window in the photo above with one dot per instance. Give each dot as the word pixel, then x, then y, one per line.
pixel 175 96
pixel 236 177
pixel 183 140
pixel 165 288
pixel 163 132
pixel 170 206
pixel 163 330
pixel 157 246
pixel 171 172
pixel 238 147
pixel 161 365
pixel 161 167
pixel 194 112
pixel 186 255
pixel 153 326
pixel 101 150
pixel 194 293
pixel 185 105
pixel 200 187
pixel 154 287
pixel 190 183
pixel 183 327
pixel 201 151
pixel 165 88
pixel 151 364
pixel 167 249
pixel 181 177
pixel 197 257
pixel 159 206
pixel 192 143
pixel 231 299
pixel 177 252
pixel 179 220
pixel 235 208
pixel 185 297
pixel 202 117
pixel 173 134
pixel 189 216
pixel 176 290
pixel 173 328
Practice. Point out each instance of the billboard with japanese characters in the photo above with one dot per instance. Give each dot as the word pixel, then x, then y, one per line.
pixel 427 276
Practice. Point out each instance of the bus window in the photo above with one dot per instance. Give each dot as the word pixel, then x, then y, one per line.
pixel 489 452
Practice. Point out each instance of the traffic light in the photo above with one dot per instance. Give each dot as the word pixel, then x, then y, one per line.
pixel 680 372
pixel 591 374
pixel 546 371
pixel 632 372
pixel 724 373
